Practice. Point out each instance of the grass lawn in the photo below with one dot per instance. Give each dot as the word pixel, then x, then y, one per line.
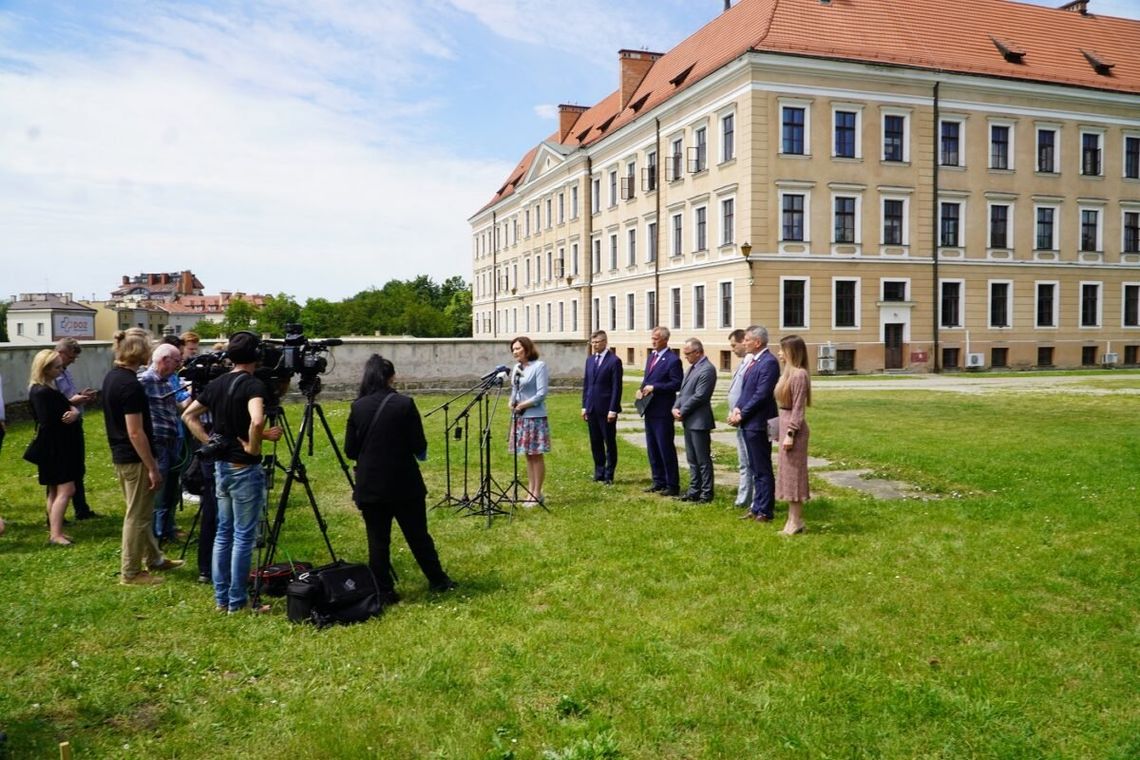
pixel 1000 620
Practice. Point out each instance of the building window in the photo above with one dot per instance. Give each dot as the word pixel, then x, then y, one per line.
pixel 678 228
pixel 20 328
pixel 561 208
pixel 794 301
pixel 999 226
pixel 845 134
pixel 675 312
pixel 728 137
pixel 1046 229
pixel 574 315
pixel 629 184
pixel 1044 356
pixel 894 290
pixel 1131 306
pixel 949 229
pixel 1000 304
pixel 698 307
pixel 1090 154
pixel 794 130
pixel 999 357
pixel 727 221
pixel 537 269
pixel 613 312
pixel 549 213
pixel 894 128
pixel 597 264
pixel 893 222
pixel 951 358
pixel 613 251
pixel 844 220
pixel 845 360
pixel 951 307
pixel 537 317
pixel 1131 353
pixel 650 171
pixel 1047 151
pixel 677 159
pixel 651 241
pixel 1088 356
pixel 574 202
pixel 725 304
pixel 595 195
pixel 1132 157
pixel 793 217
pixel 651 308
pixel 999 146
pixel 700 222
pixel 1131 232
pixel 550 265
pixel 631 254
pixel 951 143
pixel 629 311
pixel 1046 304
pixel 1090 304
pixel 595 317
pixel 1090 229
pixel 846 294
pixel 574 259
pixel 613 187
pixel 699 159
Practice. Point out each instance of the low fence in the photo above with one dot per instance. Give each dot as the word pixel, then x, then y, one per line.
pixel 426 364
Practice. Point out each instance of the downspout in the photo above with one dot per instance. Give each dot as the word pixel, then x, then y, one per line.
pixel 588 291
pixel 936 298
pixel 494 276
pixel 660 226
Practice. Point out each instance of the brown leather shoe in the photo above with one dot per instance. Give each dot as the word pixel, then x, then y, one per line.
pixel 141 579
pixel 168 564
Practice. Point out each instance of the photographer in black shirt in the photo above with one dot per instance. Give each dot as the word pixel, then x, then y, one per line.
pixel 236 403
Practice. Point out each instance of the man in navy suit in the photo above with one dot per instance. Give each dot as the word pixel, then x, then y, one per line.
pixel 601 402
pixel 663 376
pixel 756 406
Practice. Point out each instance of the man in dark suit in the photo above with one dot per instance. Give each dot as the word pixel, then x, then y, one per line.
pixel 663 375
pixel 694 410
pixel 385 436
pixel 757 405
pixel 601 402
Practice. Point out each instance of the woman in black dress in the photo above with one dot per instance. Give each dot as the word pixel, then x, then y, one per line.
pixel 55 417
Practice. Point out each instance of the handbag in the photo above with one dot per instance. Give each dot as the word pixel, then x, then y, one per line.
pixel 37 451
pixel 338 593
pixel 774 429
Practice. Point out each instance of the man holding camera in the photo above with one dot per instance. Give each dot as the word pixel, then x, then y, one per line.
pixel 236 403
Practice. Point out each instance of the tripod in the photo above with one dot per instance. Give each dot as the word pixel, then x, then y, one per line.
pixel 487 500
pixel 458 427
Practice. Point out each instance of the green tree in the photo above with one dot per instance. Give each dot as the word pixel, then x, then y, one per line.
pixel 458 313
pixel 207 330
pixel 240 315
pixel 276 312
pixel 3 323
pixel 323 319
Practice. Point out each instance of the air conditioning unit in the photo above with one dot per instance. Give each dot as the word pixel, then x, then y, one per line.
pixel 1110 359
pixel 825 365
pixel 975 361
pixel 827 351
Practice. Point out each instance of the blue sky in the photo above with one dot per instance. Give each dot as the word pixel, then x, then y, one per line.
pixel 311 147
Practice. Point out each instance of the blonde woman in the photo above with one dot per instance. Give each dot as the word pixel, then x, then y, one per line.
pixel 793 396
pixel 60 436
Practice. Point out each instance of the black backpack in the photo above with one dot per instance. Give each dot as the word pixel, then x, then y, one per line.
pixel 338 593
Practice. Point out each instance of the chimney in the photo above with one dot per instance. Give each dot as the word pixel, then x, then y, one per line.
pixel 727 4
pixel 635 64
pixel 567 117
pixel 126 280
pixel 165 278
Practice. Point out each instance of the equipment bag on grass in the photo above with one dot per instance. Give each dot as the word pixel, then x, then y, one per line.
pixel 340 592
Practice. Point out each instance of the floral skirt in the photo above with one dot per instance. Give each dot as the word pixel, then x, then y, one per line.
pixel 532 436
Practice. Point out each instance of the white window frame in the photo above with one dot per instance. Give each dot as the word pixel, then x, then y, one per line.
pixel 651 242
pixel 1009 225
pixel 702 312
pixel 857 109
pixel 807 302
pixel 701 164
pixel 1099 209
pixel 676 237
pixel 1055 128
pixel 1124 211
pixel 611 301
pixel 614 185
pixel 1100 142
pixel 1123 302
pixel 961 122
pixel 1128 134
pixel 725 156
pixel 697 247
pixel 806 193
pixel 961 202
pixel 905 218
pixel 615 250
pixel 721 322
pixel 1056 207
pixel 1099 304
pixel 1011 148
pixel 1056 303
pixel 676 308
pixel 1009 310
pixel 858 302
pixel 727 232
pixel 631 311
pixel 858 196
pixel 596 195
pixel 961 303
pixel 906 117
pixel 631 245
pixel 803 103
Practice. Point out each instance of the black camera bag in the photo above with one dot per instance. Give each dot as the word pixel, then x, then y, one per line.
pixel 274 579
pixel 340 592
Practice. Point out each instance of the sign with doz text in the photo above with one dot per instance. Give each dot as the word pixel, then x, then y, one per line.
pixel 78 326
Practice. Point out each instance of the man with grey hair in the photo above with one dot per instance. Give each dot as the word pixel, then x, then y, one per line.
pixel 657 393
pixel 744 468
pixel 69 350
pixel 693 409
pixel 167 443
pixel 756 406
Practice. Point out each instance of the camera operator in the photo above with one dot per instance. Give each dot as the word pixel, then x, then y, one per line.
pixel 236 402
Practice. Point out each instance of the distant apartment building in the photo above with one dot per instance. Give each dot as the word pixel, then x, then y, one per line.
pixel 47 317
pixel 909 186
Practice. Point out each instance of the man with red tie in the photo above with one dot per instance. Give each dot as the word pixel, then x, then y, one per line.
pixel 663 375
pixel 601 403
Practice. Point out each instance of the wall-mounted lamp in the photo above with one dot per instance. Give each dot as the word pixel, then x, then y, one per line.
pixel 569 280
pixel 745 250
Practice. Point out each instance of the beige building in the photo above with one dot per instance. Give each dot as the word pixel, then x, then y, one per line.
pixel 909 186
pixel 44 318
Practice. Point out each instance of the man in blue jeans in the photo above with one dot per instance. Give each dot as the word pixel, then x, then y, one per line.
pixel 236 403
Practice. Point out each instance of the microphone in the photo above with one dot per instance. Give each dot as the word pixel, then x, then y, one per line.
pixel 501 369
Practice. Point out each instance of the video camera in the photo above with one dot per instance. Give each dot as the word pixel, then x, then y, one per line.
pixel 201 369
pixel 295 355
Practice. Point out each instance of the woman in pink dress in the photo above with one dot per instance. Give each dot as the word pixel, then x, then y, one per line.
pixel 793 396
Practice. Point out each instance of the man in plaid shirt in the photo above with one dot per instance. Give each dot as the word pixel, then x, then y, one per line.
pixel 166 418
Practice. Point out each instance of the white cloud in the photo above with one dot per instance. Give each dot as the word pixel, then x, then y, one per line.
pixel 546 111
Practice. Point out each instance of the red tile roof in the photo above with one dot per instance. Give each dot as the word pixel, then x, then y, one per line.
pixel 954 36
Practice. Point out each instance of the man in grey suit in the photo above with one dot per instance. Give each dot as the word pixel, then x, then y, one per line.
pixel 744 489
pixel 694 409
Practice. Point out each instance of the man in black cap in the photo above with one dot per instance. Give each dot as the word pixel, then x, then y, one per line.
pixel 236 402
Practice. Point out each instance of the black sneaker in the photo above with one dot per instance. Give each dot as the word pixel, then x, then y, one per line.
pixel 89 516
pixel 442 586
